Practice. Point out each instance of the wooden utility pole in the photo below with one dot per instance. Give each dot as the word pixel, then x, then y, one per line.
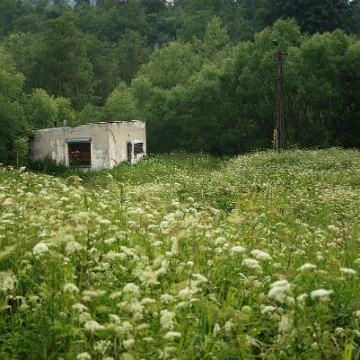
pixel 280 105
pixel 280 128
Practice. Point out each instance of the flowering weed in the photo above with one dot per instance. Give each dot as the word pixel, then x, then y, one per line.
pixel 184 257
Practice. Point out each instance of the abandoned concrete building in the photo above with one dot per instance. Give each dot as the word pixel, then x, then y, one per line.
pixel 96 145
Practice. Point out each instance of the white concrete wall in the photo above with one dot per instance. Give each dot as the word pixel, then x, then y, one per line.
pixel 108 142
pixel 121 133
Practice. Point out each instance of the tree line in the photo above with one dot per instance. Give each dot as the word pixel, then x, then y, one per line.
pixel 203 74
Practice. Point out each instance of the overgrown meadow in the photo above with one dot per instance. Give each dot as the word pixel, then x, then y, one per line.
pixel 184 257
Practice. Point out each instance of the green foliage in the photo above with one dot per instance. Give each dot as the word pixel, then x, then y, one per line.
pixel 88 114
pixel 41 109
pixel 66 69
pixel 21 148
pixel 48 166
pixel 171 65
pixel 13 125
pixel 120 105
pixel 312 17
pixel 131 53
pixel 195 70
pixel 184 256
pixel 44 111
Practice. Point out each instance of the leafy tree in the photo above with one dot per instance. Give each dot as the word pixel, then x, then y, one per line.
pixel 30 22
pixel 215 43
pixel 114 17
pixel 154 6
pixel 238 20
pixel 195 15
pixel 312 16
pixel 104 61
pixel 88 114
pixel 64 111
pixel 9 11
pixel 120 105
pixel 131 54
pixel 58 8
pixel 66 70
pixel 25 49
pixel 41 109
pixel 13 125
pixel 173 64
pixel 316 96
pixel 79 2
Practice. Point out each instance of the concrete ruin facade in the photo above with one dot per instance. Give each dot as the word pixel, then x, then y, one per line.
pixel 95 145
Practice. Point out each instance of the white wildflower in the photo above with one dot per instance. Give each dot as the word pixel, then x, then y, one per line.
pixel 246 309
pixel 115 294
pixel 24 305
pixel 200 278
pixel 7 281
pixel 146 301
pixel 84 317
pixel 228 326
pixel 142 326
pixel 187 293
pixel 83 356
pixel 348 271
pixel 102 345
pixel 114 318
pixel 166 319
pixel 72 246
pixel 40 248
pixel 302 297
pixel 321 293
pixel 109 241
pixel 260 255
pixel 307 266
pixel 172 335
pixel 279 290
pixel 237 249
pixel 124 328
pixel 216 329
pixel 69 287
pixel 148 339
pixel 128 343
pixel 340 331
pixel 166 298
pixel 174 245
pixel 132 289
pixel 333 228
pixel 93 293
pixel 251 263
pixel 285 324
pixel 79 307
pixel 268 309
pixel 92 326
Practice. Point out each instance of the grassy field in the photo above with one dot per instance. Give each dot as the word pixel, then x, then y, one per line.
pixel 184 257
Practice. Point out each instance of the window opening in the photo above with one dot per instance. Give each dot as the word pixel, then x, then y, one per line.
pixel 138 148
pixel 79 154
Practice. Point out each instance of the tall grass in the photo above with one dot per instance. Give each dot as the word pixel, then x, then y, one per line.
pixel 184 257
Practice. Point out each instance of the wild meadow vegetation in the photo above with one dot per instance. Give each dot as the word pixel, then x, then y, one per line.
pixel 184 257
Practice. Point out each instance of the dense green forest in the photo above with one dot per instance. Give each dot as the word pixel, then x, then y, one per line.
pixel 201 73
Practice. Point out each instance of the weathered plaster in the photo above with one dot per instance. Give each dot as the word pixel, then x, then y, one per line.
pixel 108 142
